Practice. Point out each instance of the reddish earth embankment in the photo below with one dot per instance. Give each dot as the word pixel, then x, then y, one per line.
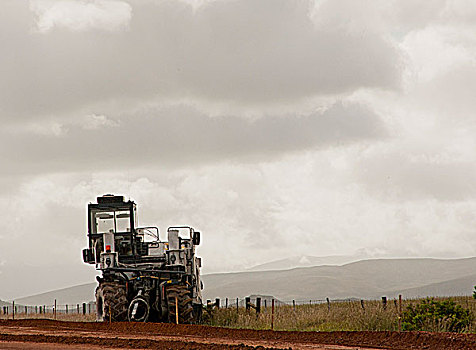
pixel 78 335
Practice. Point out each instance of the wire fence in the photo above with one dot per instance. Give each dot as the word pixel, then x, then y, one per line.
pixel 89 308
pixel 260 312
pixel 47 309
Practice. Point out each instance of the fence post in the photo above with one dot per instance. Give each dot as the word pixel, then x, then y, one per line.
pixel 265 307
pixel 362 304
pixel 272 314
pixel 54 311
pixel 66 309
pixel 176 311
pixel 294 305
pixel 328 305
pixel 84 308
pixel 237 305
pixel 217 303
pixel 247 302
pixel 400 313
pixel 384 303
pixel 26 310
pixel 77 308
pixel 14 309
pixel 258 306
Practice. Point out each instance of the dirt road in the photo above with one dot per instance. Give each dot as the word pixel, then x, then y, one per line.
pixel 48 335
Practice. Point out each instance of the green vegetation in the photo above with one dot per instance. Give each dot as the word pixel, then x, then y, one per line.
pixel 460 315
pixel 342 316
pixel 437 316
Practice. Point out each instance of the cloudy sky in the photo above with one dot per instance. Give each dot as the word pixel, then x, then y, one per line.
pixel 278 128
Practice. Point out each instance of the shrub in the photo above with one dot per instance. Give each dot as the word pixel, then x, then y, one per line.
pixel 433 315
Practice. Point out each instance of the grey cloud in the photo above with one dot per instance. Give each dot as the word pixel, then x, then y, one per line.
pixel 412 14
pixel 451 95
pixel 399 178
pixel 179 136
pixel 234 53
pixel 80 15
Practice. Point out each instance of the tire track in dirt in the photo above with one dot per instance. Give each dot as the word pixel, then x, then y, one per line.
pixel 166 336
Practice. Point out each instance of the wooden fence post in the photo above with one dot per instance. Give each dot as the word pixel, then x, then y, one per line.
pixel 237 305
pixel 13 307
pixel 384 303
pixel 294 305
pixel 258 306
pixel 272 314
pixel 400 313
pixel 54 311
pixel 362 304
pixel 226 303
pixel 247 303
pixel 217 303
pixel 176 311
pixel 328 305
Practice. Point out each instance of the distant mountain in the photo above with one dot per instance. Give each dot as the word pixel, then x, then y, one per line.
pixel 457 287
pixel 4 303
pixel 362 279
pixel 305 261
pixel 72 295
pixel 366 279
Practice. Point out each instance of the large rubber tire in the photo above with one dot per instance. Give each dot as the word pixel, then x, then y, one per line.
pixel 181 295
pixel 111 297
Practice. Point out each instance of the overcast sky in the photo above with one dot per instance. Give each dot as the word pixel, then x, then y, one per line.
pixel 277 128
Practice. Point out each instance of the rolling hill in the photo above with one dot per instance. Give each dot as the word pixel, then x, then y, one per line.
pixel 4 303
pixel 366 279
pixel 362 279
pixel 305 261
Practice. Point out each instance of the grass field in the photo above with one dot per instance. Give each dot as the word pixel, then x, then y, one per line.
pixel 342 316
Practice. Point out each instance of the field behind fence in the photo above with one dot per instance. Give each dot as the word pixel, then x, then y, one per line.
pixel 66 312
pixel 309 315
pixel 340 315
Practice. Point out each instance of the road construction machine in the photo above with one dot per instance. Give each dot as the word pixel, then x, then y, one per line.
pixel 142 278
